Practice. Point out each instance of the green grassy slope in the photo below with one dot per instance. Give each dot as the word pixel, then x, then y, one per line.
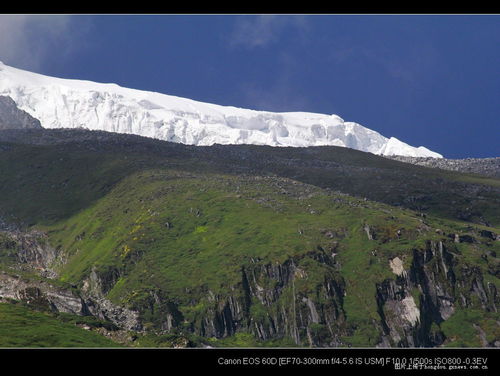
pixel 174 232
pixel 168 228
pixel 83 165
pixel 23 327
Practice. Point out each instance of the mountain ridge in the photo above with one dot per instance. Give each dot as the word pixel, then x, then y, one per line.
pixel 483 166
pixel 65 103
pixel 157 243
pixel 331 167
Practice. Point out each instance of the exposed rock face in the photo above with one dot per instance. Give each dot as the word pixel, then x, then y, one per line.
pixel 34 251
pixel 93 291
pixel 269 303
pixel 46 296
pixel 11 117
pixel 482 166
pixel 41 294
pixel 31 251
pixel 396 265
pixel 426 294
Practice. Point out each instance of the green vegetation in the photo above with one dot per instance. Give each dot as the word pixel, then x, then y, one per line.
pixel 464 328
pixel 176 233
pixel 22 327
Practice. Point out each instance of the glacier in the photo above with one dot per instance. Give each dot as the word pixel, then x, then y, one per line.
pixel 70 103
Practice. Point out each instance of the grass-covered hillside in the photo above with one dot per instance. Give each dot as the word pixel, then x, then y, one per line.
pixel 250 245
pixel 23 327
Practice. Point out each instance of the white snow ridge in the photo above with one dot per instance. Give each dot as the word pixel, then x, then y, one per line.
pixel 64 103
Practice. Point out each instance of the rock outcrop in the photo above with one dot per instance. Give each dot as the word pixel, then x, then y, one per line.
pixel 481 166
pixel 272 302
pixel 41 294
pixel 416 301
pixel 30 252
pixel 11 117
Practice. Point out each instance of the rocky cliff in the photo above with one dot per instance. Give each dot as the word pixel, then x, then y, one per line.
pixel 31 278
pixel 275 301
pixel 417 301
pixel 11 117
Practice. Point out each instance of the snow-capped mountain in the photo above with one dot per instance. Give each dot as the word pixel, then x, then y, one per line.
pixel 64 103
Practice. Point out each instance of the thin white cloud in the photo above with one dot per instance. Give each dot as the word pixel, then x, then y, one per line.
pixel 260 31
pixel 280 94
pixel 28 41
pixel 409 65
pixel 255 32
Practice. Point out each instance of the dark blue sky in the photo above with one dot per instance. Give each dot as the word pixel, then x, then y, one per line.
pixel 431 80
